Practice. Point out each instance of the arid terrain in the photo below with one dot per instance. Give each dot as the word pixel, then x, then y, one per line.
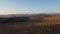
pixel 30 25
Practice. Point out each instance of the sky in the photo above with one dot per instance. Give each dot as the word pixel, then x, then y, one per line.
pixel 29 6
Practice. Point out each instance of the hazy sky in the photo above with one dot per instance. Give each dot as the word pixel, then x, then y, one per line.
pixel 29 6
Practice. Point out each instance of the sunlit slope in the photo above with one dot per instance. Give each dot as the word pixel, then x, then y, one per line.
pixel 53 19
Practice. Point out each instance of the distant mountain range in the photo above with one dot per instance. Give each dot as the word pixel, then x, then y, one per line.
pixel 27 15
pixel 15 15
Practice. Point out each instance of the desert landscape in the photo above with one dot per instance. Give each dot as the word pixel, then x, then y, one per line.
pixel 29 16
pixel 33 24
